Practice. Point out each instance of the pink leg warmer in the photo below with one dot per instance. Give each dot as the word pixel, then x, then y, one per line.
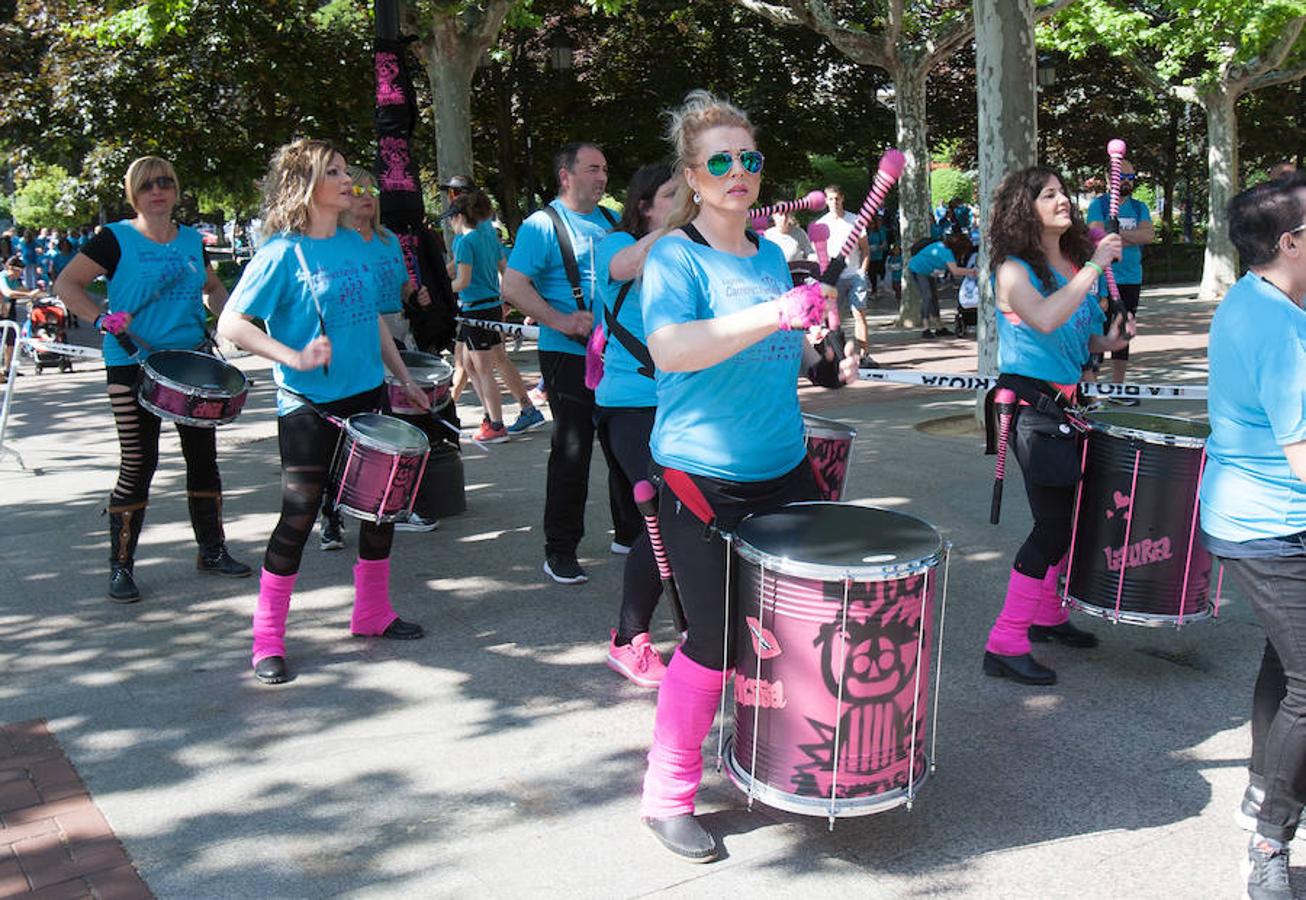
pixel 372 610
pixel 1050 611
pixel 687 704
pixel 1010 633
pixel 270 614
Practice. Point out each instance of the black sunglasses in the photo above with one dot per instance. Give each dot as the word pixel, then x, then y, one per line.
pixel 162 182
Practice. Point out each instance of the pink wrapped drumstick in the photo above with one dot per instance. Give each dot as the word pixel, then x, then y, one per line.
pixel 890 168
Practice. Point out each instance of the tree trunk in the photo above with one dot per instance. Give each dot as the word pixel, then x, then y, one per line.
pixel 1168 169
pixel 506 150
pixel 914 207
pixel 1220 269
pixel 1008 127
pixel 450 63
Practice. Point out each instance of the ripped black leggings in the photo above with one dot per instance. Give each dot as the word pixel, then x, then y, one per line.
pixel 308 443
pixel 138 445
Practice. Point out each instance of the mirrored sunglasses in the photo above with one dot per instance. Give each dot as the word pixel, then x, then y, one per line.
pixel 370 190
pixel 719 164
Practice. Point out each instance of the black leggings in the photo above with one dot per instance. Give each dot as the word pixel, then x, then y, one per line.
pixel 624 437
pixel 138 445
pixel 308 443
pixel 699 555
pixel 1053 509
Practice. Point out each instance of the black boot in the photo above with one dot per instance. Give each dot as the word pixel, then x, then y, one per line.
pixel 206 520
pixel 685 837
pixel 124 532
pixel 1064 633
pixel 1024 668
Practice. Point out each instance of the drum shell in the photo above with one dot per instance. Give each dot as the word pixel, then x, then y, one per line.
pixel 372 481
pixel 198 405
pixel 794 635
pixel 1164 546
pixel 829 449
pixel 442 493
pixel 433 376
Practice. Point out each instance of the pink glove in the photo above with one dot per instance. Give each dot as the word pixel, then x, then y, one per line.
pixel 114 322
pixel 802 307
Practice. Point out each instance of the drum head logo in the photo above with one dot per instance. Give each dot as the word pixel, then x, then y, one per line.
pixel 765 643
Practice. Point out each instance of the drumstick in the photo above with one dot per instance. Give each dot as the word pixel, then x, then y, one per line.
pixel 819 234
pixel 644 496
pixel 891 165
pixel 814 200
pixel 1004 402
pixel 1115 149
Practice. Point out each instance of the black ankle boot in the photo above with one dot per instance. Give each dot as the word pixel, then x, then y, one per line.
pixel 206 521
pixel 217 561
pixel 124 532
pixel 1024 669
pixel 683 836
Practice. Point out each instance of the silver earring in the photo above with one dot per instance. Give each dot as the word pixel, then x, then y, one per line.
pixel 698 198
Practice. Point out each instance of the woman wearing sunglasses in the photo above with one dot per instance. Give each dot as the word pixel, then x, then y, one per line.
pixel 158 279
pixel 723 333
pixel 312 284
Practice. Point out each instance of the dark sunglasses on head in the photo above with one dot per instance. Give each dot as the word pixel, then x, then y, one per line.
pixel 162 182
pixel 719 164
pixel 370 190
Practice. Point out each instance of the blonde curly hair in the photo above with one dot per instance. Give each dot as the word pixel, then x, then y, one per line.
pixel 700 111
pixel 295 171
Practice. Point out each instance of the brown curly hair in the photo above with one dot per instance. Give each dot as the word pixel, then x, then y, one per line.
pixel 1014 228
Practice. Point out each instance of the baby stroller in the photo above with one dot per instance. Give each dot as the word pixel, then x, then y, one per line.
pixel 968 297
pixel 47 320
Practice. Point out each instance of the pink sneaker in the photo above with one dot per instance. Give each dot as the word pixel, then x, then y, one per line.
pixel 639 660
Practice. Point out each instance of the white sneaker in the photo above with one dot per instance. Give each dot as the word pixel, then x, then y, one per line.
pixel 619 548
pixel 414 522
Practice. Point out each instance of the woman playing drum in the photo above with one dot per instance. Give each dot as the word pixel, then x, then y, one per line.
pixel 1253 499
pixel 722 337
pixel 157 279
pixel 626 399
pixel 312 285
pixel 1049 323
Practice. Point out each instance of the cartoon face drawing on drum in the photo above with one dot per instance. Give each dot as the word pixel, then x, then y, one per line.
pixel 878 659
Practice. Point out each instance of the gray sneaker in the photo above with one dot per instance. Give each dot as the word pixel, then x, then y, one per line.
pixel 414 522
pixel 1267 870
pixel 333 532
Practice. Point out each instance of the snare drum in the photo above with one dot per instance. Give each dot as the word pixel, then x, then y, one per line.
pixel 433 376
pixel 1135 555
pixel 192 388
pixel 377 467
pixel 829 447
pixel 833 622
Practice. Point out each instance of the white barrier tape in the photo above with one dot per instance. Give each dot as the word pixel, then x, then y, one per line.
pixel 6 326
pixel 77 351
pixel 526 331
pixel 962 381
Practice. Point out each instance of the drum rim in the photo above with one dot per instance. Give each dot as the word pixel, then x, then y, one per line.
pixel 820 426
pixel 1147 620
pixel 1148 437
pixel 373 444
pixel 444 376
pixel 864 572
pixel 170 416
pixel 190 390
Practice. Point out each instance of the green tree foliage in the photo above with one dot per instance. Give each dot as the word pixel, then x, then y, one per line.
pixel 46 199
pixel 214 87
pixel 947 183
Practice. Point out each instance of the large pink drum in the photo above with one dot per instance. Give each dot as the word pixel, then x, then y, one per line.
pixel 829 448
pixel 834 617
pixel 433 376
pixel 378 465
pixel 192 388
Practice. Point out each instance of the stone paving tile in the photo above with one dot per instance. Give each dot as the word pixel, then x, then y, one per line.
pixel 54 842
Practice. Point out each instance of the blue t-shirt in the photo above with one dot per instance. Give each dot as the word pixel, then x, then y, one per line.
pixel 622 385
pixel 931 258
pixel 893 265
pixel 161 285
pixel 1128 269
pixel 739 419
pixel 877 241
pixel 536 255
pixel 275 288
pixel 480 249
pixel 1257 404
pixel 1058 357
pixel 385 260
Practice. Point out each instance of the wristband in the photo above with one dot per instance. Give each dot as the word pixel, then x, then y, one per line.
pixel 1091 264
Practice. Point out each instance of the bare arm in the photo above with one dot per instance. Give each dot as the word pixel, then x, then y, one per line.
pixel 957 271
pixel 692 346
pixel 630 262
pixel 518 290
pixel 216 293
pixel 1296 454
pixel 71 285
pixel 464 277
pixel 1145 233
pixel 1046 314
pixel 238 329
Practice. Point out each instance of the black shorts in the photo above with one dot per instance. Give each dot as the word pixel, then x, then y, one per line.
pixel 481 338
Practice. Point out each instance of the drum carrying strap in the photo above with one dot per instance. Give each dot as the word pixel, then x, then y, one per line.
pixel 687 492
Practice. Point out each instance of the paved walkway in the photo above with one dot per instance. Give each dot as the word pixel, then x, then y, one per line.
pixel 499 757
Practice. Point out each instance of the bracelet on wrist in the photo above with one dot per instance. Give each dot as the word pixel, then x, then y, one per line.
pixel 782 319
pixel 1092 264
